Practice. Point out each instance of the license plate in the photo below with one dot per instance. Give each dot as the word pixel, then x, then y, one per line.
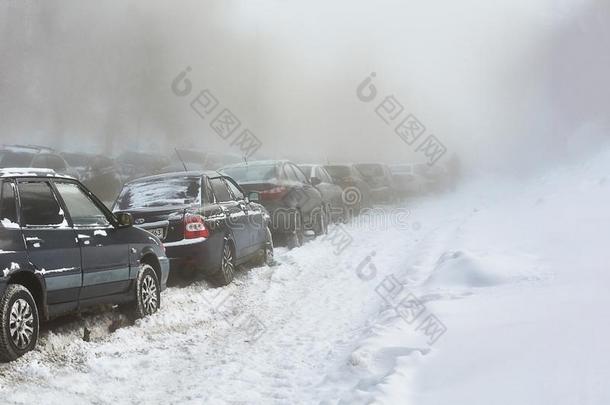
pixel 158 232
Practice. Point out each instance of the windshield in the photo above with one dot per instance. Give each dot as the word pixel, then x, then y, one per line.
pixel 338 171
pixel 251 173
pixel 160 192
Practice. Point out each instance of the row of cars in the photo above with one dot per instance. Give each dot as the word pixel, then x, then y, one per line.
pixel 62 250
pixel 105 175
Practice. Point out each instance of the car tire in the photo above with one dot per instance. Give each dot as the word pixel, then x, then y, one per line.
pixel 266 254
pixel 321 222
pixel 296 237
pixel 226 272
pixel 148 292
pixel 19 322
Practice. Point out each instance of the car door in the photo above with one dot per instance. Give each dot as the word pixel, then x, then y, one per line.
pixel 332 190
pixel 236 218
pixel 52 245
pixel 105 255
pixel 253 220
pixel 313 198
pixel 13 255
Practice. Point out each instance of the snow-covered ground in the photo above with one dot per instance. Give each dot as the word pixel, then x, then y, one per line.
pixel 494 294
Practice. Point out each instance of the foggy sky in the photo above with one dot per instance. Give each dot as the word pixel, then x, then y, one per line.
pixel 501 83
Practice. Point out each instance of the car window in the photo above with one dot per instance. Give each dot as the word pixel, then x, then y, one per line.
pixel 160 192
pixel 307 170
pixel 207 195
pixel 56 163
pixel 338 171
pixel 370 170
pixel 40 161
pixel 251 173
pixel 234 189
pixel 8 206
pixel 82 210
pixel 15 159
pixel 289 173
pixel 220 190
pixel 299 174
pixel 39 207
pixel 323 175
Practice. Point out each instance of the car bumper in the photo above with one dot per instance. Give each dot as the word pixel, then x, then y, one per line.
pixel 164 265
pixel 191 254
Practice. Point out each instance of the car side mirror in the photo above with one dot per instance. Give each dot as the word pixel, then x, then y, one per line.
pixel 315 181
pixel 254 196
pixel 124 219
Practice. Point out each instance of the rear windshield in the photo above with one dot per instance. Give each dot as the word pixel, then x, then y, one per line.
pixel 244 174
pixel 15 159
pixel 160 192
pixel 338 171
pixel 370 170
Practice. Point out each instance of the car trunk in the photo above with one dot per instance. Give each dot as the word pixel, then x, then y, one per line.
pixel 167 223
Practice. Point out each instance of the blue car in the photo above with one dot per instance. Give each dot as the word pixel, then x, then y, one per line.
pixel 62 250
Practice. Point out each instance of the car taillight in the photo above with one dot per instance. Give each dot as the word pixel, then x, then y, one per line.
pixel 274 193
pixel 349 180
pixel 194 227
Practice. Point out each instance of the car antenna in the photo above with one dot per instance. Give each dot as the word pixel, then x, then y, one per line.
pixel 181 161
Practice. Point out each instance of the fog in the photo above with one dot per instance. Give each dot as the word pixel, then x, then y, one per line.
pixel 503 84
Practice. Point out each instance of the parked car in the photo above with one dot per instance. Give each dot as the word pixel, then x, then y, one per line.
pixel 137 164
pixel 331 193
pixel 434 177
pixel 206 221
pixel 35 157
pixel 379 180
pixel 62 250
pixel 99 173
pixel 356 191
pixel 293 202
pixel 407 181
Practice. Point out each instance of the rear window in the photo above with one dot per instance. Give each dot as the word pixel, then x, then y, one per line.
pixel 243 174
pixel 75 159
pixel 338 171
pixel 15 159
pixel 370 170
pixel 160 192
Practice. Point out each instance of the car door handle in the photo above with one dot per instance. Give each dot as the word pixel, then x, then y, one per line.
pixel 33 240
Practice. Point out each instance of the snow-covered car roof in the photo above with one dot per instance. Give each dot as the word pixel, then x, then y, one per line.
pixel 190 173
pixel 31 172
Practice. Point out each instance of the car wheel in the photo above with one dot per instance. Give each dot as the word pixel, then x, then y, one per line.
pixel 226 273
pixel 148 292
pixel 296 237
pixel 321 222
pixel 266 254
pixel 19 317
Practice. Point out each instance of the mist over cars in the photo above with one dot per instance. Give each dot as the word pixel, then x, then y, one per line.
pixel 272 202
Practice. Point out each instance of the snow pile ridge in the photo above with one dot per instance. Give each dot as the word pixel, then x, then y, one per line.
pixel 459 268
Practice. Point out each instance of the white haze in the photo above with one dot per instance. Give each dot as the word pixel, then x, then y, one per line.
pixel 504 84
